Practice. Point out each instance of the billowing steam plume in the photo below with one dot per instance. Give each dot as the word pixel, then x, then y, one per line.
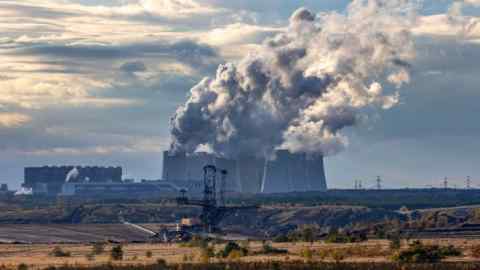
pixel 303 86
pixel 72 175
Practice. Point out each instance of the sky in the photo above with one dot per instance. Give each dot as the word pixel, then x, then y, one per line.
pixel 95 82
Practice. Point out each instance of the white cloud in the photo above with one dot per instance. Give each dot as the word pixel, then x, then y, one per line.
pixel 136 145
pixel 446 25
pixel 239 33
pixel 472 2
pixel 12 120
pixel 175 8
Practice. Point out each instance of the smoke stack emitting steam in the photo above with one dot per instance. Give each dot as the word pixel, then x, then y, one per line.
pixel 302 87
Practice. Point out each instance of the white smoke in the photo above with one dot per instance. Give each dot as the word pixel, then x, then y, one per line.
pixel 303 86
pixel 24 191
pixel 72 174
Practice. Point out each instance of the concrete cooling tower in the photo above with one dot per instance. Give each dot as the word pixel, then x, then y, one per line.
pixel 286 173
pixel 181 168
pixel 250 171
pixel 294 172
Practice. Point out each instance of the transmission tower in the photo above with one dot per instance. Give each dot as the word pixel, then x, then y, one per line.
pixel 445 183
pixel 379 183
pixel 469 183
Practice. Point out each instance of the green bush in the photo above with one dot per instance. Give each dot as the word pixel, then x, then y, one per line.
pixel 420 253
pixel 117 253
pixel 231 246
pixel 337 237
pixel 308 234
pixel 58 252
pixel 450 251
pixel 307 253
pixel 268 249
pixel 148 254
pixel 395 243
pixel 22 266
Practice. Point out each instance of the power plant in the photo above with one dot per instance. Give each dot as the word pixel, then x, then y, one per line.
pixel 50 179
pixel 286 172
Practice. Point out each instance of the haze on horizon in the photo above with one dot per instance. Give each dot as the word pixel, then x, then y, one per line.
pixel 96 82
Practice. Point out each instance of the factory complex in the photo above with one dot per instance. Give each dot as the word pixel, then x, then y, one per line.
pixel 285 172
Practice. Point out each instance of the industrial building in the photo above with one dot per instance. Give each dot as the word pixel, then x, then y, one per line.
pixel 129 189
pixel 120 190
pixel 48 180
pixel 286 172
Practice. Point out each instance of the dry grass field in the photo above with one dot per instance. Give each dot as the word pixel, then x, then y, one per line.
pixel 38 256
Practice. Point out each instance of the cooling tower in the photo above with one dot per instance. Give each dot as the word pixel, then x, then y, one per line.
pixel 232 183
pixel 180 167
pixel 174 166
pixel 195 164
pixel 293 172
pixel 250 171
pixel 316 173
pixel 286 173
pixel 276 177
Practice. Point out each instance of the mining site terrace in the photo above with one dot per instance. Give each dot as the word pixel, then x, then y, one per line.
pixel 418 213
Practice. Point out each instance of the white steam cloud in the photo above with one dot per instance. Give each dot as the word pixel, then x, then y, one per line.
pixel 304 85
pixel 72 174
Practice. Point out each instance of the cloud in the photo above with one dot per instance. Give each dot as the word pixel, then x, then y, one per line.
pixel 182 50
pixel 460 27
pixel 472 2
pixel 12 120
pixel 132 67
pixel 179 8
pixel 35 93
pixel 236 39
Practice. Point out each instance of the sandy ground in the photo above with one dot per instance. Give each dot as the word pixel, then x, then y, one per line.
pixel 69 233
pixel 38 255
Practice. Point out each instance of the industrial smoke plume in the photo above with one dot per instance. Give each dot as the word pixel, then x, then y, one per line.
pixel 302 87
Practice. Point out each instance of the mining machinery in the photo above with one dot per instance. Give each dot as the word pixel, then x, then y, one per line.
pixel 213 209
